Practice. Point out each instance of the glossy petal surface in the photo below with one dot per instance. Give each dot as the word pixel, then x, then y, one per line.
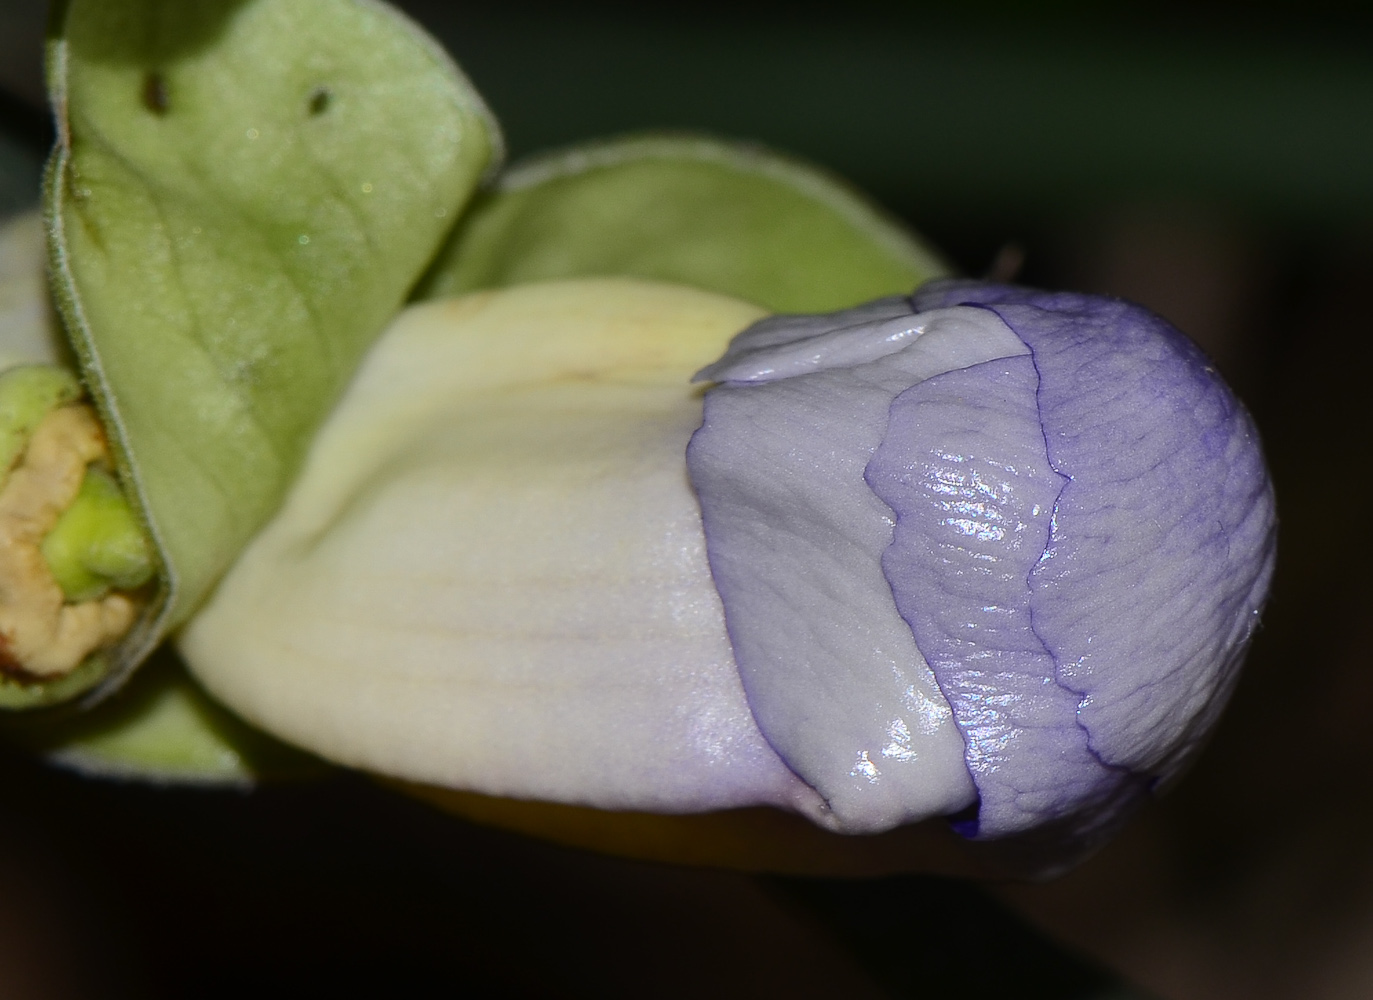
pixel 796 537
pixel 965 467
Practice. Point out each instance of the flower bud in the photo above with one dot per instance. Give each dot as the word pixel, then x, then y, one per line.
pixel 908 530
pixel 1044 511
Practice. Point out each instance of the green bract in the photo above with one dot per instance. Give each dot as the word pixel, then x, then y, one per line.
pixel 724 217
pixel 243 193
pixel 162 728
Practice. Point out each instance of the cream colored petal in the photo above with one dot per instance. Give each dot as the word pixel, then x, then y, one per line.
pixel 491 574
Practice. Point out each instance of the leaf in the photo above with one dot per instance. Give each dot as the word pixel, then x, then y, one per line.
pixel 725 217
pixel 243 193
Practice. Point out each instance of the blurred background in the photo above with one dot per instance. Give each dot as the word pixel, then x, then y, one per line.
pixel 1212 161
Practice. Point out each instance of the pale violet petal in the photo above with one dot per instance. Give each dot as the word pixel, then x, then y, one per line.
pixel 770 358
pixel 787 328
pixel 795 538
pixel 777 337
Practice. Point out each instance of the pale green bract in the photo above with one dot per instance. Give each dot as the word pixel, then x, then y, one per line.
pixel 161 728
pixel 726 217
pixel 243 193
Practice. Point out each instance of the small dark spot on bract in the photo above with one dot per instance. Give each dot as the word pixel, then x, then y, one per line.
pixel 155 92
pixel 320 99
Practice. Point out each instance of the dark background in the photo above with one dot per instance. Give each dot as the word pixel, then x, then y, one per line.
pixel 1212 161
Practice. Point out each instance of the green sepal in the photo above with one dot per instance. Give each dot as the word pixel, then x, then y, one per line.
pixel 242 194
pixel 724 217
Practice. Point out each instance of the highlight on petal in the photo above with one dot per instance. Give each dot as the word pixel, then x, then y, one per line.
pixel 964 466
pixel 786 345
pixel 491 573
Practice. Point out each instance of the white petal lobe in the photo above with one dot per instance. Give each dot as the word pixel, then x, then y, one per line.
pixel 492 575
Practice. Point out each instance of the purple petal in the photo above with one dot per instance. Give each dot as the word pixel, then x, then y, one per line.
pixel 964 467
pixel 1163 539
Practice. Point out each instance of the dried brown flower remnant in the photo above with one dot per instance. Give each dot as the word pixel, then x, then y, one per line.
pixel 41 635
